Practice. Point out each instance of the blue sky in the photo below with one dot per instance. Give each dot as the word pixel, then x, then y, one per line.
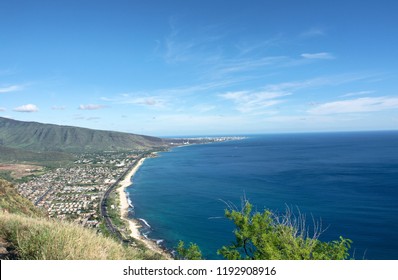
pixel 201 67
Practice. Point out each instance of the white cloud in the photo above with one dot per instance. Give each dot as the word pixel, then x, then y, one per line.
pixel 11 88
pixel 248 102
pixel 91 107
pixel 28 108
pixel 321 55
pixel 2 109
pixel 359 105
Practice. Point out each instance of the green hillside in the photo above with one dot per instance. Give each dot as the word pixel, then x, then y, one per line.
pixel 14 155
pixel 37 137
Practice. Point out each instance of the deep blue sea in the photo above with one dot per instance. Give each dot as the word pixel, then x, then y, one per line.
pixel 347 180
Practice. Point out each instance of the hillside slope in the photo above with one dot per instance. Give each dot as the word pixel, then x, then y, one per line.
pixel 12 202
pixel 43 239
pixel 14 155
pixel 35 136
pixel 25 233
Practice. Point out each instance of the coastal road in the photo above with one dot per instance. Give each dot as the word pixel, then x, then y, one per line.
pixel 103 209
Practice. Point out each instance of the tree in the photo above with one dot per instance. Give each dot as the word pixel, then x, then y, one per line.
pixel 265 235
pixel 190 253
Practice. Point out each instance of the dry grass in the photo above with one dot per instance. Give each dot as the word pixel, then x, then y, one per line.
pixel 17 171
pixel 43 239
pixel 12 202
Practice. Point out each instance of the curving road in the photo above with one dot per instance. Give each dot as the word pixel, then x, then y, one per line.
pixel 103 211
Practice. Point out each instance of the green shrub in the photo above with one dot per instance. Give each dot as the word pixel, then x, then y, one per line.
pixel 260 236
pixel 267 236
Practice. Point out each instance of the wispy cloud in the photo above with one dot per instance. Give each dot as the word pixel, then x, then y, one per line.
pixel 2 109
pixel 139 98
pixel 166 97
pixel 356 93
pixel 198 88
pixel 80 117
pixel 331 80
pixel 28 108
pixel 246 47
pixel 232 66
pixel 152 101
pixel 250 102
pixel 178 47
pixel 321 55
pixel 313 32
pixel 93 118
pixel 58 108
pixel 91 107
pixel 273 94
pixel 359 105
pixel 176 51
pixel 11 88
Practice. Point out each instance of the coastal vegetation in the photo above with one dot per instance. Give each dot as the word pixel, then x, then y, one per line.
pixel 267 236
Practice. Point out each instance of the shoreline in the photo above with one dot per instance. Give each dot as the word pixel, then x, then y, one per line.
pixel 134 225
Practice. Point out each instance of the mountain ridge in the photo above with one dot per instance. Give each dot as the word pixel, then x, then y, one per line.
pixel 35 136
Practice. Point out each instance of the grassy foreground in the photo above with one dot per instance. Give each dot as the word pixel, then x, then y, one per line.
pixel 33 236
pixel 42 239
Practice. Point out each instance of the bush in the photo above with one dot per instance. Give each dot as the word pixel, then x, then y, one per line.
pixel 191 253
pixel 260 236
pixel 267 236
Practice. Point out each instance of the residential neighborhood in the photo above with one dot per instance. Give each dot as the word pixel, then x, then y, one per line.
pixel 74 192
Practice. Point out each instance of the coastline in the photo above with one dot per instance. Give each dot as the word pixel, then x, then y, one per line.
pixel 134 225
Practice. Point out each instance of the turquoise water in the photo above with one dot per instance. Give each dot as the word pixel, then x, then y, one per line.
pixel 349 180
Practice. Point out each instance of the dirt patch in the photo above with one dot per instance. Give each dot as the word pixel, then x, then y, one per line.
pixel 18 171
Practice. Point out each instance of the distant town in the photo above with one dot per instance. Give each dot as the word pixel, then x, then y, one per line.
pixel 203 140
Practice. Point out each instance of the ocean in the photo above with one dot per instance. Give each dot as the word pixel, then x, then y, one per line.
pixel 346 181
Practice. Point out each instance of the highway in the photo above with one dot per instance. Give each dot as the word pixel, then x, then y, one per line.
pixel 103 211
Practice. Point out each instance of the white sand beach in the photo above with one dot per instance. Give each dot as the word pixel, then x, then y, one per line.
pixel 124 206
